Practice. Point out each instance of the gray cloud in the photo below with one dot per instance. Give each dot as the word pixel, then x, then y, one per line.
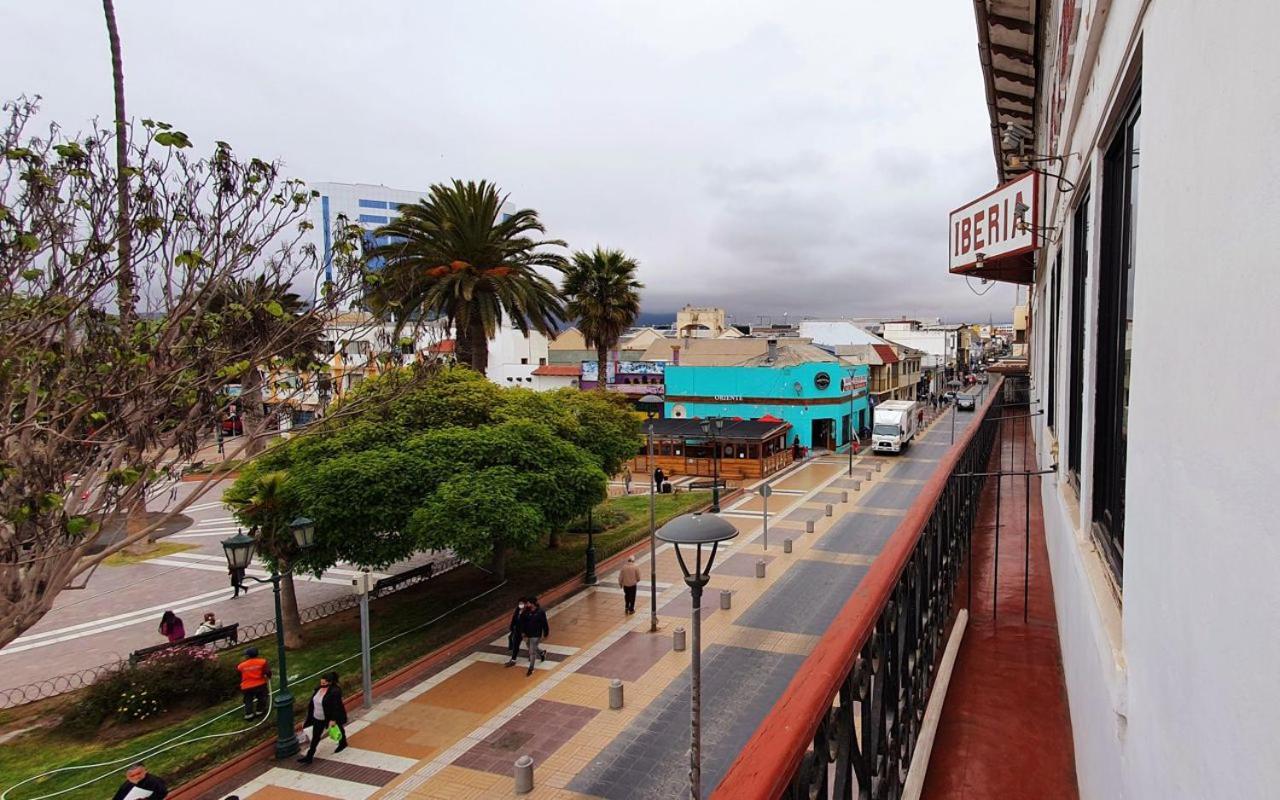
pixel 762 156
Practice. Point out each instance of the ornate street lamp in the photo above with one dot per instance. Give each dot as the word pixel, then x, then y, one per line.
pixel 696 530
pixel 651 403
pixel 239 552
pixel 712 426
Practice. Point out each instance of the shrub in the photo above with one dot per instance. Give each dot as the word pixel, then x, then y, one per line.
pixel 188 676
pixel 602 519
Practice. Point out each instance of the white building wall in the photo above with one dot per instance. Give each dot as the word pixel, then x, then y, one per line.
pixel 1172 690
pixel 513 357
pixel 836 332
pixel 939 345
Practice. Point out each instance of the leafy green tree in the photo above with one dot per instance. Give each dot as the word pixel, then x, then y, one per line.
pixel 607 428
pixel 456 256
pixel 481 516
pixel 604 297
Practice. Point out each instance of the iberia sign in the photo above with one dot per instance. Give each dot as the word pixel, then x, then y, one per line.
pixel 1001 223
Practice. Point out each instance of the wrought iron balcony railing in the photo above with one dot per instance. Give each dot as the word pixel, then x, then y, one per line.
pixel 848 723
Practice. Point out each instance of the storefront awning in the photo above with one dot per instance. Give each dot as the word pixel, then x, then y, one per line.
pixel 747 430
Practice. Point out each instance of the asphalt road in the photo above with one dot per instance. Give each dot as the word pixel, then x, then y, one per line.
pixel 120 608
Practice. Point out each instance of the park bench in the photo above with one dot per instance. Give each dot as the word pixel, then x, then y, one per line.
pixel 226 632
pixel 393 582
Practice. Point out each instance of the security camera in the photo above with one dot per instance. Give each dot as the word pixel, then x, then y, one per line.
pixel 982 257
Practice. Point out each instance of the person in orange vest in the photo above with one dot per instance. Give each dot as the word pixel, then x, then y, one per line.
pixel 255 674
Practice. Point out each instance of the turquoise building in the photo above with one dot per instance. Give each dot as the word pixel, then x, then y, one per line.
pixel 819 398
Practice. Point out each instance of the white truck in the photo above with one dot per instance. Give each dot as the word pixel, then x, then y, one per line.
pixel 894 425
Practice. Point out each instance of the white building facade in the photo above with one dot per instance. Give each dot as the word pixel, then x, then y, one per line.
pixel 1159 116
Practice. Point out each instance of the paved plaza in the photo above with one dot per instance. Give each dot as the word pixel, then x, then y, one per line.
pixel 457 733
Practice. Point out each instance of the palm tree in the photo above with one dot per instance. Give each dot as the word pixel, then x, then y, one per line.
pixel 267 511
pixel 603 296
pixel 455 255
pixel 265 313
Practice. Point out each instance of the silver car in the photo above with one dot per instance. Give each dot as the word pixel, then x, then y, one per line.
pixel 965 402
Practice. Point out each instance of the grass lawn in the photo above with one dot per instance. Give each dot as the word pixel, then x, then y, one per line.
pixel 159 550
pixel 405 626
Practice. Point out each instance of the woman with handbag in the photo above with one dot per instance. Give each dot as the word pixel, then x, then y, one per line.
pixel 326 715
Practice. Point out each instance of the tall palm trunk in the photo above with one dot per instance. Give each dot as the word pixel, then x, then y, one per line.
pixel 473 345
pixel 125 288
pixel 602 361
pixel 289 610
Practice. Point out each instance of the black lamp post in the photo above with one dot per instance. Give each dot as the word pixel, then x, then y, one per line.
pixel 651 403
pixel 696 530
pixel 711 426
pixel 590 578
pixel 239 552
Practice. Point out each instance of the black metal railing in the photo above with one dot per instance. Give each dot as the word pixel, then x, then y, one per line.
pixel 848 723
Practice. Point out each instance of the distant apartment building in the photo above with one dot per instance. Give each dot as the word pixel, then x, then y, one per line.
pixel 363 204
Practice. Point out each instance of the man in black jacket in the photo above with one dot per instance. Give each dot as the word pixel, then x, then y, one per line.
pixel 138 784
pixel 513 633
pixel 533 625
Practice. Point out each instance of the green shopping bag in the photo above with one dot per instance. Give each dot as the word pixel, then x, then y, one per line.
pixel 335 733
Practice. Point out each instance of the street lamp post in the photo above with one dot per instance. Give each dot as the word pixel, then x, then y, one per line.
pixel 239 552
pixel 711 426
pixel 590 578
pixel 696 530
pixel 651 403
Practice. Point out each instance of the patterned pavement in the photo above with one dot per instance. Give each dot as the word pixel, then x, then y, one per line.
pixel 457 734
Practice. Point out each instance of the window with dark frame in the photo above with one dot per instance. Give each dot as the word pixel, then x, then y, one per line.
pixel 1115 335
pixel 1055 293
pixel 1075 373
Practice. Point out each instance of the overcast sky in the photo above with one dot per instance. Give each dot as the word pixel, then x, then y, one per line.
pixel 766 157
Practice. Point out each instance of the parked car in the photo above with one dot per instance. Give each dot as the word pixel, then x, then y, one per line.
pixel 966 402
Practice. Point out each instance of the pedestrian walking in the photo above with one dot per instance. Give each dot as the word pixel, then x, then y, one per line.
pixel 171 627
pixel 255 673
pixel 139 784
pixel 324 713
pixel 658 478
pixel 534 628
pixel 920 418
pixel 629 579
pixel 626 479
pixel 208 624
pixel 237 581
pixel 514 636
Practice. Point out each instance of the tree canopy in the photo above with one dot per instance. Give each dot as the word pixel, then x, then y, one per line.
pixel 604 297
pixel 457 256
pixel 453 463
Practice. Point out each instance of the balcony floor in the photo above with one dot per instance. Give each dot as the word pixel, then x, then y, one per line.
pixel 1006 729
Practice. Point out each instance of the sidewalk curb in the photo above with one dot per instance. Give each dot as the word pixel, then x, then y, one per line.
pixel 408 674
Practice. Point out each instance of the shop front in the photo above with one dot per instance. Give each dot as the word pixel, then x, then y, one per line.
pixel 822 402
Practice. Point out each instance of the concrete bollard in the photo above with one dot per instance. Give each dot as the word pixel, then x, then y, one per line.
pixel 615 694
pixel 829 509
pixel 878 465
pixel 786 543
pixel 726 599
pixel 677 640
pixel 844 497
pixel 759 569
pixel 524 775
pixel 808 527
pixel 857 486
